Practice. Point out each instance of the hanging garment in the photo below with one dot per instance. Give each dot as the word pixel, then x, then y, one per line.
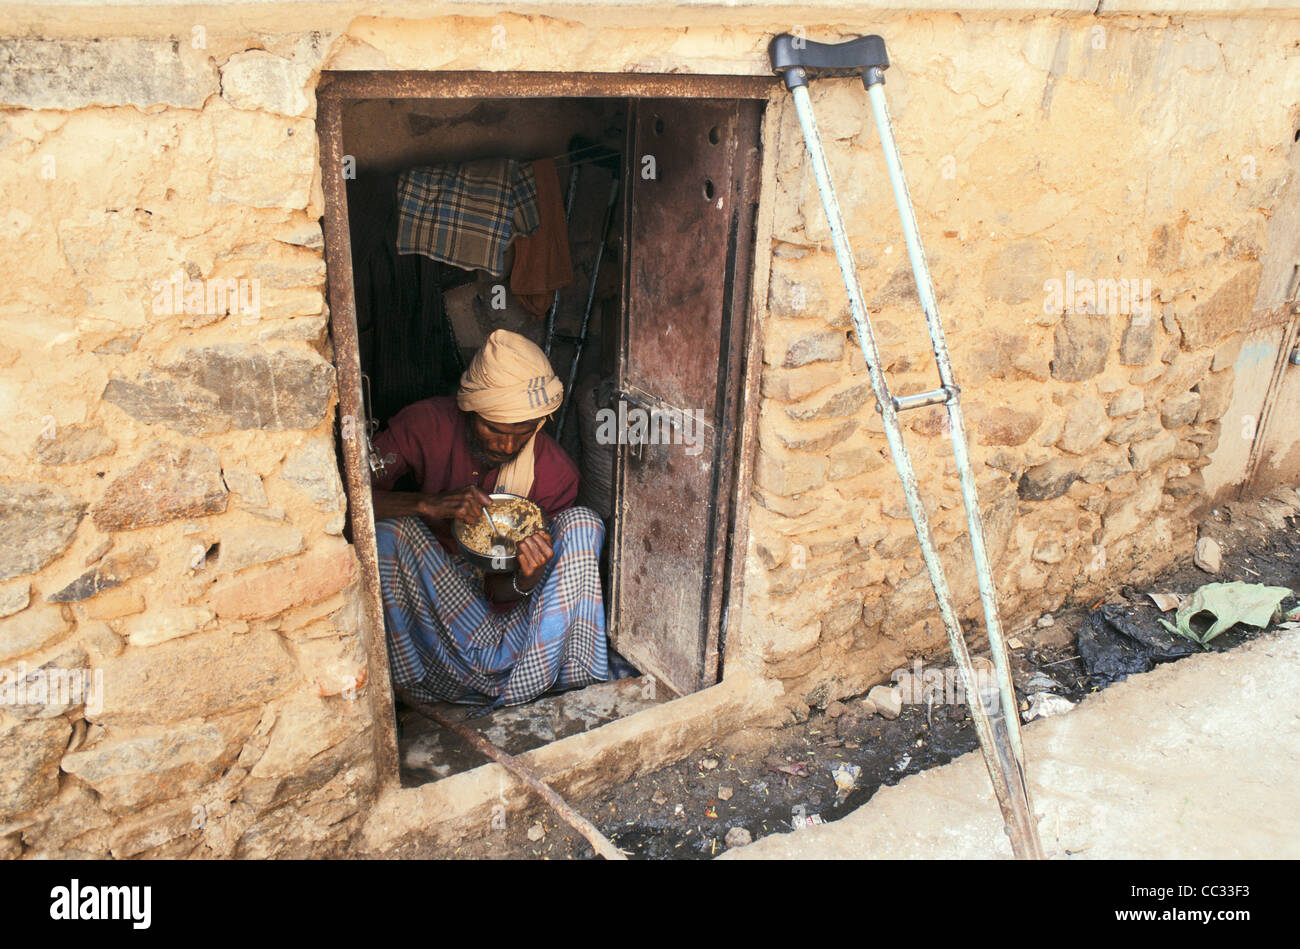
pixel 466 214
pixel 407 347
pixel 542 262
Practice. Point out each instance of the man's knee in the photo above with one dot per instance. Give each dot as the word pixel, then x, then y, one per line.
pixel 578 525
pixel 394 533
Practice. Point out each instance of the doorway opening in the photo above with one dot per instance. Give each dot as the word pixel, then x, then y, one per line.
pixel 649 338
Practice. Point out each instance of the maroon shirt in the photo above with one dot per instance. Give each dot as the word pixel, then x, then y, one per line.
pixel 430 440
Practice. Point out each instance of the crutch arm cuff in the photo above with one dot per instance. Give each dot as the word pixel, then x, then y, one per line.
pixel 795 57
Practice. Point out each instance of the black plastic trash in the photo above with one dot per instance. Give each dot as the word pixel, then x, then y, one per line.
pixel 1116 641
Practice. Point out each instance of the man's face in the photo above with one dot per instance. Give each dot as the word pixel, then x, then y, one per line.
pixel 495 443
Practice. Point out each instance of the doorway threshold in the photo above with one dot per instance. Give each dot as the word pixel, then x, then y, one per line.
pixel 432 819
pixel 431 753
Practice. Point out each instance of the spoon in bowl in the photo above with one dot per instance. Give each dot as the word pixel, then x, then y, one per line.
pixel 501 545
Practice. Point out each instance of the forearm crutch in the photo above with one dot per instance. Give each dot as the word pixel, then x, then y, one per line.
pixel 994 711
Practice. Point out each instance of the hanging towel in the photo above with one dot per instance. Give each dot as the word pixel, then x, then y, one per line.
pixel 542 263
pixel 465 214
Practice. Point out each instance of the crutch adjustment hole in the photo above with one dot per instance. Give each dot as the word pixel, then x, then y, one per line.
pixel 708 189
pixel 714 136
pixel 659 125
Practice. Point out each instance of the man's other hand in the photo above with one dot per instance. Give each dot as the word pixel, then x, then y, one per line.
pixel 464 504
pixel 534 554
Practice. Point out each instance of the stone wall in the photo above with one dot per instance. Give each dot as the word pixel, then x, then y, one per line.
pixel 1095 235
pixel 170 506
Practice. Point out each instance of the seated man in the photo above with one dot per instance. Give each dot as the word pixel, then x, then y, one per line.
pixel 455 634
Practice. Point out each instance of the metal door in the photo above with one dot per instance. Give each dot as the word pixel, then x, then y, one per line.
pixel 688 240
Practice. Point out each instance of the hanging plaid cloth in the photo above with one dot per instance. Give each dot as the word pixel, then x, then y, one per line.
pixel 466 214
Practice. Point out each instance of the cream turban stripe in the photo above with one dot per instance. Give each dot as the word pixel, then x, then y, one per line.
pixel 510 380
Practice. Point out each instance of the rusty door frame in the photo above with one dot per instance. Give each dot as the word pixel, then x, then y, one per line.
pixel 337 88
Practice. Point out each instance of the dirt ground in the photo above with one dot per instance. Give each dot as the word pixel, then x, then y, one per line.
pixel 762 779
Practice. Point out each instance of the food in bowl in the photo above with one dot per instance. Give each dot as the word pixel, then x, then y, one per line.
pixel 515 518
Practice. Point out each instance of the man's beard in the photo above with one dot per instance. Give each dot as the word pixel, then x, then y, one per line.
pixel 480 454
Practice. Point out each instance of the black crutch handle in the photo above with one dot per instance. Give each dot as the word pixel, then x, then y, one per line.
pixel 796 58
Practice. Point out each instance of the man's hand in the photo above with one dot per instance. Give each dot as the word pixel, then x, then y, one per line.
pixel 464 504
pixel 534 554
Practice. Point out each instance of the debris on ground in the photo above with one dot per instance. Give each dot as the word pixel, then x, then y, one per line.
pixel 724 792
pixel 835 710
pixel 1209 555
pixel 887 700
pixel 1226 604
pixel 1118 640
pixel 797 769
pixel 536 832
pixel 802 820
pixel 738 837
pixel 1167 601
pixel 708 764
pixel 1041 682
pixel 1045 705
pixel 846 777
pixel 1045 621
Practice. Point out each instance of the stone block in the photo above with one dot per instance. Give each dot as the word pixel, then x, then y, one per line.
pixel 1085 427
pixel 1137 344
pixel 74 444
pixel 1215 391
pixel 160 626
pixel 37 523
pixel 160 763
pixel 1126 403
pixel 154 399
pixel 1082 345
pixel 308 746
pixel 110 572
pixel 204 674
pixel 1226 311
pixel 814 347
pixel 67 74
pixel 1145 455
pixel 793 385
pixel 262 81
pixel 1016 272
pixel 1146 425
pixel 325 570
pixel 1047 481
pixel 1006 426
pixel 29 775
pixel 1179 410
pixel 168 483
pixel 789 474
pixel 256 388
pixel 32 629
pixel 1105 465
pixel 14 597
pixel 248 544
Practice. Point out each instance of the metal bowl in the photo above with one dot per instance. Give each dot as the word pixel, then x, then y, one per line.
pixel 508 524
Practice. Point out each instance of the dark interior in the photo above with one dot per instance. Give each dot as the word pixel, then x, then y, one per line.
pixel 420 321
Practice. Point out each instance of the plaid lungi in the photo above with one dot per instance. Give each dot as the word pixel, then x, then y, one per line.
pixel 465 214
pixel 445 644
